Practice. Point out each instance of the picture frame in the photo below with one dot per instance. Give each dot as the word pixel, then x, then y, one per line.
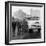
pixel 32 12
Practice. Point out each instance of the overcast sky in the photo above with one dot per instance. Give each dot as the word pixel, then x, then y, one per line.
pixel 27 10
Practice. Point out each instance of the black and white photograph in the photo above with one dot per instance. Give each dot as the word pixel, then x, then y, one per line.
pixel 24 22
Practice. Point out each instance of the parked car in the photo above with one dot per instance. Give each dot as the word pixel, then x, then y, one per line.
pixel 35 28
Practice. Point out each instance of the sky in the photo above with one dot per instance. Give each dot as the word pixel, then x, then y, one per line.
pixel 27 10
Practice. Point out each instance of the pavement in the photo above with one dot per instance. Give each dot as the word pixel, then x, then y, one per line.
pixel 26 36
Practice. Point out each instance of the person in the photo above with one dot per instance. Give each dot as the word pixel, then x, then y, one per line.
pixel 13 27
pixel 25 26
